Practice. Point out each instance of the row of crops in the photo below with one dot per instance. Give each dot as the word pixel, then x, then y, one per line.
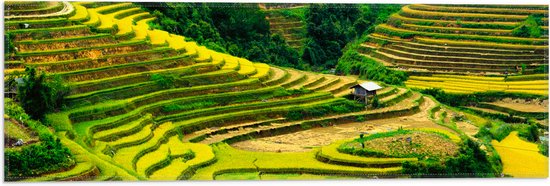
pixel 452 39
pixel 143 102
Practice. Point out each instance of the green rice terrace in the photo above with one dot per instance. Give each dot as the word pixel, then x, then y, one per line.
pixel 98 91
pixel 288 22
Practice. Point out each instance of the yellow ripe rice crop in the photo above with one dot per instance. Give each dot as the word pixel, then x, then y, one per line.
pixel 262 70
pixel 146 131
pixel 520 158
pixel 116 5
pixel 204 53
pixel 94 18
pixel 170 172
pixel 246 67
pixel 471 84
pixel 233 160
pixel 176 41
pixel 158 37
pixel 106 21
pixel 151 159
pixel 217 58
pixel 203 153
pixel 125 156
pixel 231 62
pixel 141 28
pixel 125 25
pixel 81 12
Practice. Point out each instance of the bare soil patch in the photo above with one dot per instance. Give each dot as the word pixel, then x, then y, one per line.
pixel 523 105
pixel 306 140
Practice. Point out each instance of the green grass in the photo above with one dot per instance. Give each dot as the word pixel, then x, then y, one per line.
pixel 269 162
pixel 281 176
pixel 79 169
pixel 16 132
pixel 331 153
pixel 246 106
pixel 127 129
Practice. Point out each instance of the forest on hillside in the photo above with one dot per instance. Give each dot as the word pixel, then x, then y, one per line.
pixel 243 31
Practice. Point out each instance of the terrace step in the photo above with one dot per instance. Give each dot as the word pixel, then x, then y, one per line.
pixel 329 154
pixel 311 80
pixel 342 86
pixel 406 106
pixel 66 11
pixel 41 23
pixel 516 10
pixel 180 168
pixel 455 30
pixel 124 69
pixel 106 60
pixel 279 76
pixel 202 134
pixel 127 157
pixel 399 32
pixel 84 52
pixel 116 112
pixel 452 47
pixel 410 11
pixel 425 49
pixel 125 130
pixel 464 24
pixel 496 62
pixel 326 84
pixel 444 65
pixel 296 77
pixel 151 88
pixel 245 106
pixel 143 135
pixel 64 43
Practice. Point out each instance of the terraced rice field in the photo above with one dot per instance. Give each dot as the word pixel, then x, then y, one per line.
pixel 122 125
pixel 292 29
pixel 470 84
pixel 463 39
pixel 520 158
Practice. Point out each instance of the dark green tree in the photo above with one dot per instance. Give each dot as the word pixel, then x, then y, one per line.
pixel 39 95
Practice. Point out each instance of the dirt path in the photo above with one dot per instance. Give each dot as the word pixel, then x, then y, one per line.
pixel 67 9
pixel 304 140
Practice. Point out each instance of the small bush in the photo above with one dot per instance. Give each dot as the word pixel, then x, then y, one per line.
pixel 376 102
pixel 164 81
pixel 470 162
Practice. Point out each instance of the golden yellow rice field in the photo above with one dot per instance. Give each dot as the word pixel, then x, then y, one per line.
pixel 80 10
pixel 471 84
pixel 520 158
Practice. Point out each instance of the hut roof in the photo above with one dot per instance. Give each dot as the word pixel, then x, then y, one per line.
pixel 370 86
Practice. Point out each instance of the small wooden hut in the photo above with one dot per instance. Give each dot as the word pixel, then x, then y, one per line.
pixel 364 90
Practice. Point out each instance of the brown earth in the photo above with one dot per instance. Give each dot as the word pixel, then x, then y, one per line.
pixel 305 140
pixel 522 105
